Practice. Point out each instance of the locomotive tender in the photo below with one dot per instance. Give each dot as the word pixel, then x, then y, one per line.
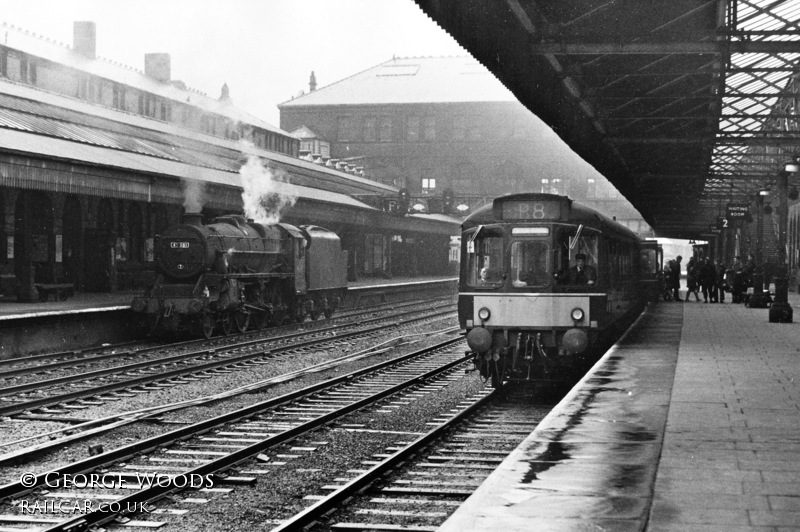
pixel 526 317
pixel 223 274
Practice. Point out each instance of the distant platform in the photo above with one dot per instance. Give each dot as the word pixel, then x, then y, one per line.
pixel 86 302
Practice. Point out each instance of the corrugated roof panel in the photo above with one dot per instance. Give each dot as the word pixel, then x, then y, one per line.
pixel 8 119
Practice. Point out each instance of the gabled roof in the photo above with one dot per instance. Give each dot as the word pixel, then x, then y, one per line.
pixel 304 132
pixel 410 80
pixel 60 53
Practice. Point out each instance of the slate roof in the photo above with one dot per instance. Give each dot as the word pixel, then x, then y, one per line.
pixel 411 80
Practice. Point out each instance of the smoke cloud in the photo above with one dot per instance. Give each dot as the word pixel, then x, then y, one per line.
pixel 194 195
pixel 261 195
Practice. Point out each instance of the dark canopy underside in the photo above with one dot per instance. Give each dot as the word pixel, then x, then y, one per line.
pixel 684 105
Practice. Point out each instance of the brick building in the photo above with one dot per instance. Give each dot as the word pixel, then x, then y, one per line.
pixel 434 123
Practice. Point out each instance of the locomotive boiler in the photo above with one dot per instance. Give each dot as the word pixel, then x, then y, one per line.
pixel 234 272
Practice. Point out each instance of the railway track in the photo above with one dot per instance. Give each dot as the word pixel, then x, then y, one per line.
pixel 109 384
pixel 15 368
pixel 417 484
pixel 124 481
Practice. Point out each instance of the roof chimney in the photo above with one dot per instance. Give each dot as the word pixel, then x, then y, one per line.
pixel 157 66
pixel 225 95
pixel 84 38
pixel 312 83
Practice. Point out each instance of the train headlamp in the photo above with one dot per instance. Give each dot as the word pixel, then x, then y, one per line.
pixel 577 314
pixel 484 314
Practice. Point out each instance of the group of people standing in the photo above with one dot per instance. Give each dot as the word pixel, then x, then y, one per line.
pixel 702 274
pixel 707 276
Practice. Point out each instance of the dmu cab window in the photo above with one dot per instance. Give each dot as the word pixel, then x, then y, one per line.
pixel 530 263
pixel 572 242
pixel 485 266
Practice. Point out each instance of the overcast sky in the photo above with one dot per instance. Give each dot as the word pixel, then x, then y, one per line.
pixel 264 50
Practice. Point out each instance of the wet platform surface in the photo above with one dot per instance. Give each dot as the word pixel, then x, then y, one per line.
pixel 690 423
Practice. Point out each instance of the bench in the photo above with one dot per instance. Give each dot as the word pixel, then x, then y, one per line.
pixel 59 291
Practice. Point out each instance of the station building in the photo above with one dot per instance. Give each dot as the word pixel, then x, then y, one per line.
pixel 97 158
pixel 428 124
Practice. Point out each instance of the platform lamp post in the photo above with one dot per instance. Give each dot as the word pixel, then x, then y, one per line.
pixel 781 311
pixel 759 298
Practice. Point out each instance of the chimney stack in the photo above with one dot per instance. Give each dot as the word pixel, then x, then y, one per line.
pixel 84 38
pixel 193 218
pixel 225 95
pixel 157 67
pixel 312 83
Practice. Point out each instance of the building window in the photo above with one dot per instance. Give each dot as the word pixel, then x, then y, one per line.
pixel 428 184
pixel 385 131
pixel 346 128
pixel 32 72
pixel 429 129
pixel 459 128
pixel 551 186
pixel 510 175
pixel 370 129
pixel 591 188
pixel 412 129
pixel 464 180
pixel 119 96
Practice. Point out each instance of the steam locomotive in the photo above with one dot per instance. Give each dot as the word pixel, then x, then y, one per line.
pixel 528 314
pixel 234 272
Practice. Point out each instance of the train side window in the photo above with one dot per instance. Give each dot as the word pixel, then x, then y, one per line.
pixel 485 264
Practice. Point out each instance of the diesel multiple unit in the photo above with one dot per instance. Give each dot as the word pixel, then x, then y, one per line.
pixel 545 282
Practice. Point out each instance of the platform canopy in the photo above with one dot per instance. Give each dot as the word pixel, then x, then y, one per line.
pixel 684 105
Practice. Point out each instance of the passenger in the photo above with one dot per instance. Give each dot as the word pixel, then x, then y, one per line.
pixel 721 281
pixel 708 281
pixel 675 278
pixel 738 265
pixel 749 270
pixel 692 278
pixel 582 273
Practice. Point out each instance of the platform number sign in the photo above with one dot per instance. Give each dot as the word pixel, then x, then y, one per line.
pixel 533 210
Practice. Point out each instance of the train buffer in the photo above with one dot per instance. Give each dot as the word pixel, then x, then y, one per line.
pixel 59 291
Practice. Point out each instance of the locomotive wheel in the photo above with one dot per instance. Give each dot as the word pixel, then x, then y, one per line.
pixel 278 317
pixel 152 322
pixel 328 312
pixel 208 325
pixel 261 320
pixel 314 315
pixel 227 324
pixel 242 319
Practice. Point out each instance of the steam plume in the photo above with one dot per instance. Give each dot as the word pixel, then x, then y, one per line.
pixel 194 195
pixel 261 195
